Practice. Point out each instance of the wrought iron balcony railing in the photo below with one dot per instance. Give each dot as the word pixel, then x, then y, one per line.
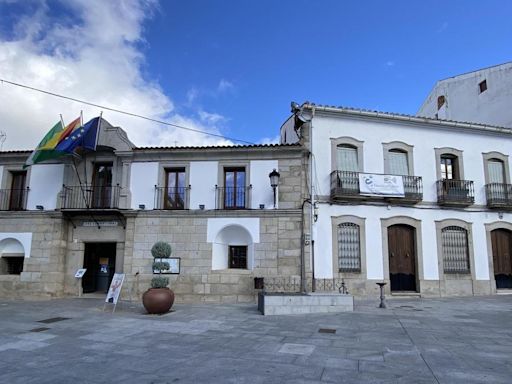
pixel 345 185
pixel 232 197
pixel 499 195
pixel 90 197
pixel 171 197
pixel 455 192
pixel 13 199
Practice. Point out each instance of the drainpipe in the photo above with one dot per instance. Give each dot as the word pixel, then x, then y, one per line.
pixel 311 194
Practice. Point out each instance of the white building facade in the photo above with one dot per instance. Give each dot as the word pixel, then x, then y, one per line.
pixel 449 233
pixel 483 96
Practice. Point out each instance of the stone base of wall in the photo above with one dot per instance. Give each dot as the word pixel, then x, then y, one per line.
pixel 290 304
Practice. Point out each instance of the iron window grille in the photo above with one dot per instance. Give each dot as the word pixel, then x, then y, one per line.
pixel 455 250
pixel 349 249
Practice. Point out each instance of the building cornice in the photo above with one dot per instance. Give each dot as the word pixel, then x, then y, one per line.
pixel 407 119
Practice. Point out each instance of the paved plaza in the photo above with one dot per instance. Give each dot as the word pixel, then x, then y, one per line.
pixel 456 340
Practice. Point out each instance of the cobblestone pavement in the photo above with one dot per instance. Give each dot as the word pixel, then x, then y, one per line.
pixel 456 340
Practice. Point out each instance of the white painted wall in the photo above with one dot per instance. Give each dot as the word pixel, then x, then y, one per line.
pixel 25 238
pixel 143 178
pixel 374 256
pixel 251 224
pixel 466 103
pixel 45 185
pixel 423 138
pixel 203 178
pixel 262 192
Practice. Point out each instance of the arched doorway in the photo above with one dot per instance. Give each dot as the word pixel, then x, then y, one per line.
pixel 501 240
pixel 402 257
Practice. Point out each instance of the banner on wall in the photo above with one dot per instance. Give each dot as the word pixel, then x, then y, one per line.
pixel 381 185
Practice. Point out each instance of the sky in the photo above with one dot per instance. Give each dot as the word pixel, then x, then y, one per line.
pixel 232 67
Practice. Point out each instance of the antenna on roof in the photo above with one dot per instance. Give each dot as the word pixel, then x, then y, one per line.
pixel 3 137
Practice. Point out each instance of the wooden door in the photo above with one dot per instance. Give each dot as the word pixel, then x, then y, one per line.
pixel 501 255
pixel 402 257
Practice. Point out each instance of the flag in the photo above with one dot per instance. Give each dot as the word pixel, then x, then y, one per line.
pixel 46 148
pixel 84 137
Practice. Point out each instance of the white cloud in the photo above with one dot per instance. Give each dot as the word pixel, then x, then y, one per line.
pixel 270 140
pixel 211 118
pixel 94 56
pixel 225 86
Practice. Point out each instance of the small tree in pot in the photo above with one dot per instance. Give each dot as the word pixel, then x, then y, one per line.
pixel 159 298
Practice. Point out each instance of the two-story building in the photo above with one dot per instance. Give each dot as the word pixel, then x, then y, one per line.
pixel 421 203
pixel 214 205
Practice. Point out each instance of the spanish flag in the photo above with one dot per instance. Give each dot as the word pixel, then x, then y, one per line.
pixel 46 148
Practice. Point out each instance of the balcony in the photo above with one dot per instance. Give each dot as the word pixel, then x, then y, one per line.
pixel 13 199
pixel 86 197
pixel 455 192
pixel 499 195
pixel 345 186
pixel 232 197
pixel 171 198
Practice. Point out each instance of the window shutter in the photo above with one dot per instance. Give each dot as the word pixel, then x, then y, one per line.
pixel 347 159
pixel 349 252
pixel 398 164
pixel 496 171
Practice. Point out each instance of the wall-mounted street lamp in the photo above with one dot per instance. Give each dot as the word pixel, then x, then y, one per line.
pixel 274 182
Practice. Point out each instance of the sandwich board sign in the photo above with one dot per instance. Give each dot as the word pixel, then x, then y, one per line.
pixel 115 289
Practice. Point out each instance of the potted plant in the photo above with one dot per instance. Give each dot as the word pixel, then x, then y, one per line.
pixel 159 298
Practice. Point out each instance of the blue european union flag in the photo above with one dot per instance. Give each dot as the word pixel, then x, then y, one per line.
pixel 83 137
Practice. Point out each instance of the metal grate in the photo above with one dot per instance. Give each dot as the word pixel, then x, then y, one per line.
pixel 53 320
pixel 349 253
pixel 455 250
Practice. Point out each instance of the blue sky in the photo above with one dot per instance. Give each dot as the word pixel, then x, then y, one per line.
pixel 233 67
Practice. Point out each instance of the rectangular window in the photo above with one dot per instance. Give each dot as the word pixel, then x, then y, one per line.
pixel 347 158
pixel 18 194
pixel 238 256
pixel 398 164
pixel 455 250
pixel 234 188
pixel 175 189
pixel 13 265
pixel 449 169
pixel 482 86
pixel 349 251
pixel 102 186
pixel 496 171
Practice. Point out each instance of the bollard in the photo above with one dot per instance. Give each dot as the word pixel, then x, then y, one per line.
pixel 382 302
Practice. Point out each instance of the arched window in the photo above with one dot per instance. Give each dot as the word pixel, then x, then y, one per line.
pixel 455 250
pixel 12 257
pixel 349 247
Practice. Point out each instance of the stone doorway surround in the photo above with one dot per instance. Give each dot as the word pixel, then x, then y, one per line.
pixel 416 224
pixel 489 227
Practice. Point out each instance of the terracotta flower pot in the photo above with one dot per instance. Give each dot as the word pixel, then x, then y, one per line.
pixel 158 300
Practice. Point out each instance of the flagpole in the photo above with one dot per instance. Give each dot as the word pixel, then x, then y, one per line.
pixel 99 128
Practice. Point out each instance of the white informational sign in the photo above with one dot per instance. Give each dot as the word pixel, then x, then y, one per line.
pixel 115 288
pixel 381 185
pixel 174 265
pixel 80 273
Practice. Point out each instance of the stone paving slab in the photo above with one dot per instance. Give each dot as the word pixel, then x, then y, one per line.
pixel 449 340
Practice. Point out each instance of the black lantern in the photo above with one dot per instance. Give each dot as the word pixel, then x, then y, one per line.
pixel 274 182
